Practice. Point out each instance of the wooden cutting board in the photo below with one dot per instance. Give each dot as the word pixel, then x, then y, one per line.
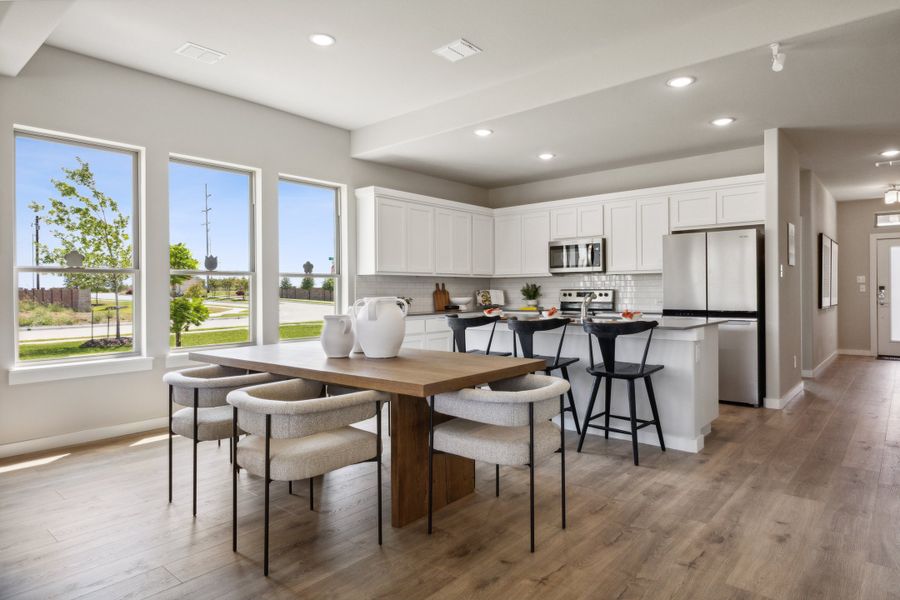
pixel 438 297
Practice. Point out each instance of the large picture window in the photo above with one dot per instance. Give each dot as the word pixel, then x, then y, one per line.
pixel 76 248
pixel 308 256
pixel 211 261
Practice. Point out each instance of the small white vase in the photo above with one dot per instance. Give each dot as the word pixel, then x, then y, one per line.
pixel 531 303
pixel 337 336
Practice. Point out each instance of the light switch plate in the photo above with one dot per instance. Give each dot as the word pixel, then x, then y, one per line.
pixel 862 288
pixel 860 279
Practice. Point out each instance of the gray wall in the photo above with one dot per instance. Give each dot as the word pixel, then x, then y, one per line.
pixel 731 163
pixel 71 93
pixel 820 326
pixel 856 221
pixel 783 292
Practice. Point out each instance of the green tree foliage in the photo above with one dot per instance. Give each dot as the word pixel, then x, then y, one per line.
pixel 180 259
pixel 87 221
pixel 184 312
pixel 307 283
pixel 195 290
pixel 286 283
pixel 328 284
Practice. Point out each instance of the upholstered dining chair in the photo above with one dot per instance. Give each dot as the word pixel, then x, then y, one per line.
pixel 206 416
pixel 505 424
pixel 295 433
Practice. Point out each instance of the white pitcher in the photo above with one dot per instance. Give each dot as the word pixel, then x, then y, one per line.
pixel 380 325
pixel 337 336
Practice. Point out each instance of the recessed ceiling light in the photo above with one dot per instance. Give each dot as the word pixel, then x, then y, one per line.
pixel 680 82
pixel 546 156
pixel 890 153
pixel 483 132
pixel 322 39
pixel 723 121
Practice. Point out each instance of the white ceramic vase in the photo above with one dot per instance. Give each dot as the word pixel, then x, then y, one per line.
pixel 337 336
pixel 380 325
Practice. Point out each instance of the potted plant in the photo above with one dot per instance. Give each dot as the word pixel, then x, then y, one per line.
pixel 531 292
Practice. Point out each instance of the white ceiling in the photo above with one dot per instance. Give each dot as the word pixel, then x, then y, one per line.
pixel 581 78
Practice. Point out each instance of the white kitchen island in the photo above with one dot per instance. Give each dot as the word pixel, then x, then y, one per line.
pixel 687 389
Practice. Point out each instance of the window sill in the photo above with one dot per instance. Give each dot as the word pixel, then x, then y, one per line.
pixel 22 375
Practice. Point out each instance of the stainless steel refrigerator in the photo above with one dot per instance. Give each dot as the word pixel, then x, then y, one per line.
pixel 718 274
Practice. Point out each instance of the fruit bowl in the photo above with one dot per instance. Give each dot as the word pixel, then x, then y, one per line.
pixel 461 301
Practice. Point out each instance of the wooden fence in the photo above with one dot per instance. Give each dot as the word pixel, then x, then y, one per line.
pixel 310 294
pixel 74 298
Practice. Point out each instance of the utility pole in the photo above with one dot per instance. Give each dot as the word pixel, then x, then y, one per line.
pixel 205 211
pixel 37 249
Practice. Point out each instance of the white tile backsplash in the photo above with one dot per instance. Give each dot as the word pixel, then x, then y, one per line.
pixel 641 291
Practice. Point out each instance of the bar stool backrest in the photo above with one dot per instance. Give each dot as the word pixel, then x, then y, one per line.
pixel 459 325
pixel 524 330
pixel 606 334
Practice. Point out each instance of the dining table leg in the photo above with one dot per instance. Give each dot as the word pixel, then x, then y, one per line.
pixel 454 476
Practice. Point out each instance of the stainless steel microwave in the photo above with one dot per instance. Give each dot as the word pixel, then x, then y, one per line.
pixel 582 255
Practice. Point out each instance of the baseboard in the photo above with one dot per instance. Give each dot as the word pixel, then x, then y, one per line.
pixel 813 373
pixel 779 403
pixel 80 437
pixel 854 352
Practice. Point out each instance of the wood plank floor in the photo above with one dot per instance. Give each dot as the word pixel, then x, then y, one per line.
pixel 799 503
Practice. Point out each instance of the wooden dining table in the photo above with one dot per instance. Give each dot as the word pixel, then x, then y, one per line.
pixel 410 377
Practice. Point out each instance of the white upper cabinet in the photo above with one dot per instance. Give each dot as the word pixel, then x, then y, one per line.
pixel 419 239
pixel 563 223
pixel 620 218
pixel 653 224
pixel 590 220
pixel 693 209
pixel 452 242
pixel 482 245
pixel 390 239
pixel 508 245
pixel 536 241
pixel 743 204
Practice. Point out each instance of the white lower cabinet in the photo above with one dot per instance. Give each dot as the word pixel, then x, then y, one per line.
pixel 429 333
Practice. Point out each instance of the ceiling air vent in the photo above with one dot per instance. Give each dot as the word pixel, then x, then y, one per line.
pixel 457 50
pixel 207 56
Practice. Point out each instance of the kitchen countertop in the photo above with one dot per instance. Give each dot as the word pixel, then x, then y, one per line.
pixel 665 323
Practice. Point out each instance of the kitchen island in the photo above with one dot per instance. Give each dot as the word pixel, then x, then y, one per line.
pixel 687 389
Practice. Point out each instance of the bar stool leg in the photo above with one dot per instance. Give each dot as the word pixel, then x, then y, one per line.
pixel 497 481
pixel 565 374
pixel 590 412
pixel 608 402
pixel 170 444
pixel 196 430
pixel 531 467
pixel 652 398
pixel 562 464
pixel 631 410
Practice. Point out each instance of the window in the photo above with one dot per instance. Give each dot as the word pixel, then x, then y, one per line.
pixel 211 261
pixel 77 264
pixel 308 257
pixel 890 219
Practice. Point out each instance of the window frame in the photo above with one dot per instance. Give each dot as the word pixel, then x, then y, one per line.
pixel 138 241
pixel 253 296
pixel 886 213
pixel 339 276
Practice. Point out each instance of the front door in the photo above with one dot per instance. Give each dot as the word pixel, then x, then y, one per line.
pixel 886 305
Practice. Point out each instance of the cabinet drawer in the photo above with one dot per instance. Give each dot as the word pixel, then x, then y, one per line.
pixel 438 324
pixel 415 326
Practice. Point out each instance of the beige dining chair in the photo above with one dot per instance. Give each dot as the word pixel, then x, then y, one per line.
pixel 294 434
pixel 206 416
pixel 507 423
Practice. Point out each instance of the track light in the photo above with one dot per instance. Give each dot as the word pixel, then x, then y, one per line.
pixel 777 57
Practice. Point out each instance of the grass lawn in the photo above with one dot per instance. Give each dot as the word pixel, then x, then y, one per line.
pixel 205 337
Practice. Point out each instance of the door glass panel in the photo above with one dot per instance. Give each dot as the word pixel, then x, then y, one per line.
pixel 895 285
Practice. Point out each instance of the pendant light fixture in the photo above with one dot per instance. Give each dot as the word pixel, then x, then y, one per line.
pixel 892 196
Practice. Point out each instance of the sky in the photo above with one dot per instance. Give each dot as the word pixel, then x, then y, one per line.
pixel 306 212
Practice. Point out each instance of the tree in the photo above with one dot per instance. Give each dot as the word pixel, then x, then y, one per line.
pixel 184 312
pixel 307 283
pixel 91 224
pixel 328 284
pixel 195 290
pixel 286 283
pixel 180 259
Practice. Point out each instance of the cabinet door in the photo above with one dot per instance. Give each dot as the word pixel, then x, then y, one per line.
pixel 693 209
pixel 563 223
pixel 452 242
pixel 590 220
pixel 743 204
pixel 653 224
pixel 414 341
pixel 439 341
pixel 482 245
pixel 390 236
pixel 508 245
pixel 419 239
pixel 620 221
pixel 443 241
pixel 536 240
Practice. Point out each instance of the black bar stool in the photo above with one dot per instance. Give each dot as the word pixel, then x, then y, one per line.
pixel 606 334
pixel 459 326
pixel 524 330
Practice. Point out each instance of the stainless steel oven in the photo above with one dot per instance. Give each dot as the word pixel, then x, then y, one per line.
pixel 582 255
